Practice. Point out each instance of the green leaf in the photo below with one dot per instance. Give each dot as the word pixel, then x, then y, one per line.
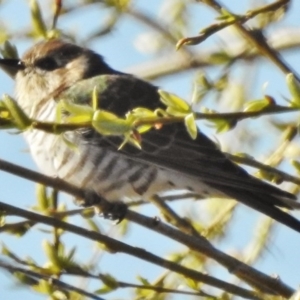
pixel 143 280
pixel 110 284
pixel 220 58
pixel 108 123
pixel 5 251
pixel 175 112
pixel 204 81
pixel 120 5
pixel 79 119
pixel 87 213
pixel 220 125
pixel 294 88
pixel 38 23
pixel 257 105
pixel 19 229
pixel 104 290
pixel 130 138
pixel 191 125
pixel 52 254
pixel 296 165
pixel 44 286
pixel 93 225
pixel 9 50
pixel 174 102
pixel 193 284
pixel 5 118
pixel 42 198
pixel 223 125
pixel 269 176
pixel 25 279
pixel 60 295
pixel 110 281
pixel 78 113
pixel 95 99
pixel 201 87
pixel 141 113
pixel 243 154
pixel 17 114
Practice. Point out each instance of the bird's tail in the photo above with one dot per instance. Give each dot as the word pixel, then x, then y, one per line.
pixel 262 204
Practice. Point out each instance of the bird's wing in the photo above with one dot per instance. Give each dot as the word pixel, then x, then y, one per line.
pixel 170 146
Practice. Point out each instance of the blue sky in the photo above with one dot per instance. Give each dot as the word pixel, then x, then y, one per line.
pixel 119 50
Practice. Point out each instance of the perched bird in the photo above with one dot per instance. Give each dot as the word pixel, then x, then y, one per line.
pixel 54 71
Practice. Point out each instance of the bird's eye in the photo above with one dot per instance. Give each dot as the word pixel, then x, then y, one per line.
pixel 47 64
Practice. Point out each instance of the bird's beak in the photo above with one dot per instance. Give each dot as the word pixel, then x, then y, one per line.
pixel 11 66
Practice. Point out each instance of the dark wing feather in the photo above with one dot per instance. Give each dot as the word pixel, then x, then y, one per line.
pixel 171 147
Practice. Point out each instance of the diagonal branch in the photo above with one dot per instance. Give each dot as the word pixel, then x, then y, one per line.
pixel 256 37
pixel 199 244
pixel 117 246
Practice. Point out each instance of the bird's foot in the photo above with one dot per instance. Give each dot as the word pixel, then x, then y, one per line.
pixel 114 211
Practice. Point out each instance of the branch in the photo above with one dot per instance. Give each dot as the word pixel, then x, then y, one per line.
pixel 175 63
pixel 153 24
pixel 203 246
pixel 57 128
pixel 256 38
pixel 122 284
pixel 231 19
pixel 256 164
pixel 117 246
pixel 198 244
pixel 51 279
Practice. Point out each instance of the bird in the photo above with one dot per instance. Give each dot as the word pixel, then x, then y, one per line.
pixel 57 71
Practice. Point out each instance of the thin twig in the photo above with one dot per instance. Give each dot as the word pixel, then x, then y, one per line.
pixel 56 282
pixel 257 39
pixel 175 63
pixel 122 284
pixel 256 164
pixel 231 20
pixel 58 6
pixel 172 217
pixel 16 227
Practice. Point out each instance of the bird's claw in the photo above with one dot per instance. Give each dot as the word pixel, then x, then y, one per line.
pixel 115 211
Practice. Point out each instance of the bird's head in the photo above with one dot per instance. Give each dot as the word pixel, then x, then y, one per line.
pixel 50 67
